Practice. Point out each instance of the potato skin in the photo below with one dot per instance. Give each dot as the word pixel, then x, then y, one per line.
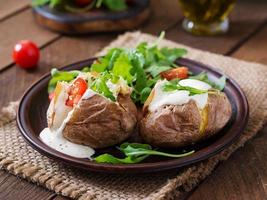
pixel 174 126
pixel 99 122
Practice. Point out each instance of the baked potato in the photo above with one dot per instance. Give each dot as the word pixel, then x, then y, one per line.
pixel 183 119
pixel 94 120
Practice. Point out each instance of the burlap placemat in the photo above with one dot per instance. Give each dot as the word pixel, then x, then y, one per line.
pixel 20 159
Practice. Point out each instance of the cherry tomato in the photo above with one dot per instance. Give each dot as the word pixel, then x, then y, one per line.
pixel 77 89
pixel 26 54
pixel 82 3
pixel 180 72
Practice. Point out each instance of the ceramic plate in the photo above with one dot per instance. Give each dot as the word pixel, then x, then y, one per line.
pixel 31 120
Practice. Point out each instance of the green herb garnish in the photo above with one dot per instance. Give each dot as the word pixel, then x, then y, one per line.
pixel 99 85
pixel 140 67
pixel 171 86
pixel 66 76
pixel 218 84
pixel 135 153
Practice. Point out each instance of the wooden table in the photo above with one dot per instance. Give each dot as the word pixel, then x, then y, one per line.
pixel 243 176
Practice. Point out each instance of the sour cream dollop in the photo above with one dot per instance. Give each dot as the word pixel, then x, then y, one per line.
pixel 179 97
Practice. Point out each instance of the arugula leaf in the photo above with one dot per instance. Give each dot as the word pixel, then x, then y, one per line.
pixel 155 70
pixel 100 64
pixel 171 54
pixel 144 94
pixel 137 149
pixel 203 76
pixel 107 158
pixel 122 67
pixel 135 153
pixel 99 85
pixel 60 76
pixel 138 61
pixel 106 63
pixel 171 86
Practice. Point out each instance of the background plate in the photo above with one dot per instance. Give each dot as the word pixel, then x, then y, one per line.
pixel 95 20
pixel 31 119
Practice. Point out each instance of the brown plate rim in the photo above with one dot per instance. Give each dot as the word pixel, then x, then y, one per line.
pixel 200 155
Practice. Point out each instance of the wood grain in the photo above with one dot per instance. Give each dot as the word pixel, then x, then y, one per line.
pixel 255 49
pixel 9 8
pixel 15 188
pixel 19 27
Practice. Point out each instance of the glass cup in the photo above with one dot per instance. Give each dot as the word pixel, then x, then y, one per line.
pixel 206 17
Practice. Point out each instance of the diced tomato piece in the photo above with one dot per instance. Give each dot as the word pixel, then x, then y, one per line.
pixel 77 89
pixel 180 72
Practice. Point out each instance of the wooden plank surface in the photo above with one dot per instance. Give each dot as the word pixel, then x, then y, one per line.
pixel 9 8
pixel 243 176
pixel 10 189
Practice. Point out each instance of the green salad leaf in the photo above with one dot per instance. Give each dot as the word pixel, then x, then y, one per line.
pixel 140 66
pixel 60 76
pixel 107 158
pixel 135 153
pixel 173 85
pixel 99 85
pixel 122 67
pixel 218 84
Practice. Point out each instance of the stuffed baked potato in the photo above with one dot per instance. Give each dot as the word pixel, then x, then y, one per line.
pixel 177 118
pixel 93 119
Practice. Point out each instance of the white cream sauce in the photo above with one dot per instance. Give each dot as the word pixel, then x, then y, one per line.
pixel 179 97
pixel 54 137
pixel 56 141
pixel 88 94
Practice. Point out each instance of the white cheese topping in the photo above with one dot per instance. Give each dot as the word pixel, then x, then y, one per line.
pixel 200 85
pixel 179 97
